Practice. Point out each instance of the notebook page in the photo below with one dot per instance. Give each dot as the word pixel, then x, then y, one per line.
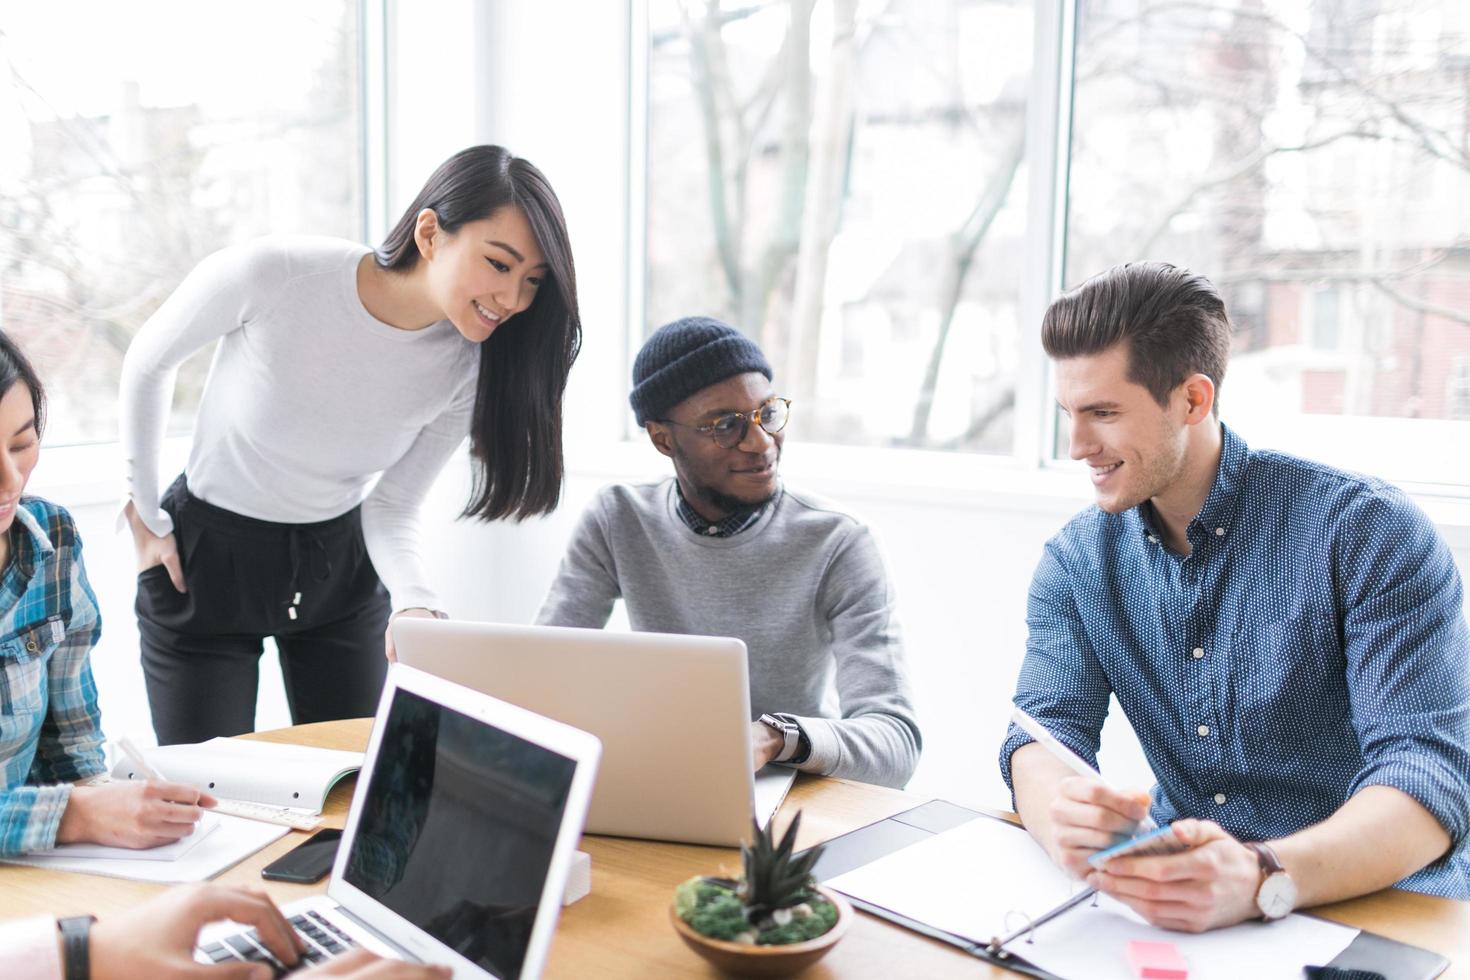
pixel 282 775
pixel 166 852
pixel 974 880
pixel 231 842
pixel 1092 942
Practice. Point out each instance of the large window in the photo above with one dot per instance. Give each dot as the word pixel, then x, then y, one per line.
pixel 1310 157
pixel 845 182
pixel 135 139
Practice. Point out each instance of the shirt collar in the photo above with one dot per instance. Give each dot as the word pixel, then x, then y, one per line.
pixel 729 527
pixel 27 546
pixel 1219 506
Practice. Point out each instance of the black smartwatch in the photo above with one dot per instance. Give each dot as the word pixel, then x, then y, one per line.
pixel 75 947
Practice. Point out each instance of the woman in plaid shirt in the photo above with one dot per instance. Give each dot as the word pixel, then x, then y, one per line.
pixel 50 728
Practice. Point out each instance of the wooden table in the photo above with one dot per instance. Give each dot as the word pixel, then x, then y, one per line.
pixel 622 929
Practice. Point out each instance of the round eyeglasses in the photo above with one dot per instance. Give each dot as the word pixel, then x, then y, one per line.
pixel 729 430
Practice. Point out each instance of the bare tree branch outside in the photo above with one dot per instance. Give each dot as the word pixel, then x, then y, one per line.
pixel 854 200
pixel 125 158
pixel 1311 157
pixel 858 205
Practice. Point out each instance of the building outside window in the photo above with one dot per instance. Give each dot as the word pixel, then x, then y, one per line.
pixel 1309 156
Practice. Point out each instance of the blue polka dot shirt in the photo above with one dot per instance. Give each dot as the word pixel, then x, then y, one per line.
pixel 1312 643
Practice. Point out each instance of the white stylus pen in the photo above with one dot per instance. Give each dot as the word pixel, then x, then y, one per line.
pixel 1073 761
pixel 136 758
pixel 1077 764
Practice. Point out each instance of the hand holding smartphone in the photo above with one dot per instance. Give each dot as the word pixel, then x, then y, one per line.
pixel 1160 840
pixel 308 861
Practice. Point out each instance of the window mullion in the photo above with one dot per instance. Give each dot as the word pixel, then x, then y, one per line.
pixel 1048 141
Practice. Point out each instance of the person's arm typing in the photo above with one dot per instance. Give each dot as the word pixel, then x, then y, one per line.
pixel 157 939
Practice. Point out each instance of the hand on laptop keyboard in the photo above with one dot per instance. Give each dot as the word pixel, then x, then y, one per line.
pixel 157 938
pixel 329 952
pixel 317 939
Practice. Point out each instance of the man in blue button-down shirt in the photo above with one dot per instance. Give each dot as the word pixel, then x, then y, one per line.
pixel 1287 639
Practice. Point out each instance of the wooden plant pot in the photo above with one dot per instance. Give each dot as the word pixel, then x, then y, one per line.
pixel 743 960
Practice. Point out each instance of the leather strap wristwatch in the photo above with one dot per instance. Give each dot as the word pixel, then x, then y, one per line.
pixel 75 946
pixel 1276 896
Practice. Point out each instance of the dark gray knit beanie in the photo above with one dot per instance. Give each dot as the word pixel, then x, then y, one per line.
pixel 686 356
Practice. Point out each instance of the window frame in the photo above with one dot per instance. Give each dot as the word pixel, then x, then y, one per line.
pixel 70 472
pixel 1037 428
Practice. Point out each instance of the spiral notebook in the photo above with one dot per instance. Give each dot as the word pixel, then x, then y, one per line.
pixel 297 777
pixel 965 877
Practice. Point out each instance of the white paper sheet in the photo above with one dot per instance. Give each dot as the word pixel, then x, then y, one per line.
pixel 232 841
pixel 979 880
pixel 1092 943
pixel 985 877
pixel 207 824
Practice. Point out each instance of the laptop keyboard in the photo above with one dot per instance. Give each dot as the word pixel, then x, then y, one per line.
pixel 323 942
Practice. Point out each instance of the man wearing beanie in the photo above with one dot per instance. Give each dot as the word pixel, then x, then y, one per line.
pixel 723 549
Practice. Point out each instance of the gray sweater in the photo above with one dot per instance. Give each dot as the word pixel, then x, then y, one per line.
pixel 805 589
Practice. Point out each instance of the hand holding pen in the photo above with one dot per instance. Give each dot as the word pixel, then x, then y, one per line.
pixel 132 814
pixel 1088 814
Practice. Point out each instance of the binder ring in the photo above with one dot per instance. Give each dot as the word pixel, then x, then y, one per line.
pixel 1030 926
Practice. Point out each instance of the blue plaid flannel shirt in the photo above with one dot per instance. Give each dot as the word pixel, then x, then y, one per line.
pixel 50 727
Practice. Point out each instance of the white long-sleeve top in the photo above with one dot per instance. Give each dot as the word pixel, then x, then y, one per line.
pixel 309 398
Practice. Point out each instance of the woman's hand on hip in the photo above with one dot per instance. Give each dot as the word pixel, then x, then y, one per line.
pixel 153 550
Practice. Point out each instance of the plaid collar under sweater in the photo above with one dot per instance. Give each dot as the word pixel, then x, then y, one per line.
pixel 727 528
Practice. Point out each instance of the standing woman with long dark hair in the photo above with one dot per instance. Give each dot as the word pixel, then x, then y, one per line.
pixel 336 366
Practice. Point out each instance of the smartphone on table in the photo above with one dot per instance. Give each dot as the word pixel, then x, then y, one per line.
pixel 308 861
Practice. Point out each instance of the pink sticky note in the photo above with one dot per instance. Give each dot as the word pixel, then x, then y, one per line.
pixel 1156 961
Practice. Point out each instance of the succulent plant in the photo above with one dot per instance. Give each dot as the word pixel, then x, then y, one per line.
pixel 774 879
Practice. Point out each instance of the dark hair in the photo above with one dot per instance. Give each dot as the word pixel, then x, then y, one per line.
pixel 515 434
pixel 14 366
pixel 1173 320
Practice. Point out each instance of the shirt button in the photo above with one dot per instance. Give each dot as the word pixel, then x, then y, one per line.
pixel 1219 532
pixel 1153 538
pixel 1199 653
pixel 1204 730
pixel 711 530
pixel 1220 798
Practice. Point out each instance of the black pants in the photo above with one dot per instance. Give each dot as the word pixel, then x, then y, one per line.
pixel 311 586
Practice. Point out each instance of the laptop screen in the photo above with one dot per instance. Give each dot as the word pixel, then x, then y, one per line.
pixel 457 829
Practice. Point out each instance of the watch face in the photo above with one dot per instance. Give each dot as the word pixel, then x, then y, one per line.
pixel 1277 896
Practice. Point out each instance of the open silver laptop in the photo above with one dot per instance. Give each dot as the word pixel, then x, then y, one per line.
pixel 672 711
pixel 458 842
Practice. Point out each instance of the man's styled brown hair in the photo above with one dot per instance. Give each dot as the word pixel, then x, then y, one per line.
pixel 1173 321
